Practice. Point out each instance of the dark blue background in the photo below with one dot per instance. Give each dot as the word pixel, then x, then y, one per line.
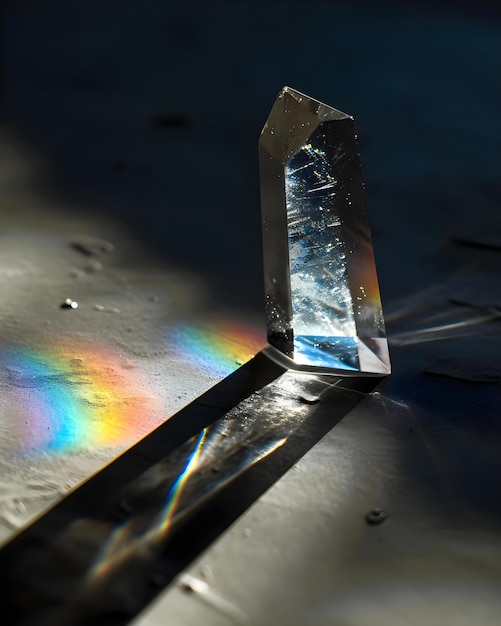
pixel 152 110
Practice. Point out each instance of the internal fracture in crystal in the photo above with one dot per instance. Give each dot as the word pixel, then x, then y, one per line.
pixel 322 297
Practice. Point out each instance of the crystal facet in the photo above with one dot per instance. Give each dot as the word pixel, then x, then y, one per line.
pixel 323 306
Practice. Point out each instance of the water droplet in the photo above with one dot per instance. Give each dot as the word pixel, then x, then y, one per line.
pixel 69 304
pixel 308 399
pixel 376 516
pixel 247 532
pixel 191 585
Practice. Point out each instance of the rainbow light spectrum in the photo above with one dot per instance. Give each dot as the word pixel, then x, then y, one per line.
pixel 74 395
pixel 77 396
pixel 219 347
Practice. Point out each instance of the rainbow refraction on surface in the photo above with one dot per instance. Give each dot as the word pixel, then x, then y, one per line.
pixel 131 538
pixel 219 347
pixel 76 396
pixel 122 544
pixel 175 491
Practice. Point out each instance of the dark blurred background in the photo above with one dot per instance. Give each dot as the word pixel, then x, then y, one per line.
pixel 151 111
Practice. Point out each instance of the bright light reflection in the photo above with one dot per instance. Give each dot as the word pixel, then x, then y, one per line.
pixel 125 542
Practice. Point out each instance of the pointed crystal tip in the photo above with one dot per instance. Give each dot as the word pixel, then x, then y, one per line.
pixel 322 297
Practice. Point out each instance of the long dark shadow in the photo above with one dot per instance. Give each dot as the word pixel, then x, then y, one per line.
pixel 103 553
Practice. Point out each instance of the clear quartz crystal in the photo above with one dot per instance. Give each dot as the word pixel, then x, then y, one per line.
pixel 322 296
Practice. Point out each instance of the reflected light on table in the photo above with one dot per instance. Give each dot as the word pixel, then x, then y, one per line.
pixel 75 396
pixel 120 545
pixel 219 347
pixel 137 537
pixel 81 401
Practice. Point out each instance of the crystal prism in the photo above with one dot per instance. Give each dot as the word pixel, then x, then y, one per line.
pixel 323 306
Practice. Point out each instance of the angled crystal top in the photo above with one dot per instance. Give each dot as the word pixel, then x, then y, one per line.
pixel 322 296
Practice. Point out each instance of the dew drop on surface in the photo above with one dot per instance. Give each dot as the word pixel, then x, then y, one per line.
pixel 190 584
pixel 69 304
pixel 376 516
pixel 308 399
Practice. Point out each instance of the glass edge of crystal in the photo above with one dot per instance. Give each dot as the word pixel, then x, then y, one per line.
pixel 282 359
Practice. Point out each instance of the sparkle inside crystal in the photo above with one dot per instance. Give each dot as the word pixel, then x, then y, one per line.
pixel 322 294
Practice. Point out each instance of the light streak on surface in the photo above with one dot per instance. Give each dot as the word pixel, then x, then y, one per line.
pixel 121 545
pixel 444 331
pixel 136 537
